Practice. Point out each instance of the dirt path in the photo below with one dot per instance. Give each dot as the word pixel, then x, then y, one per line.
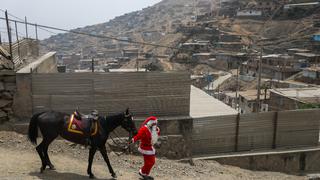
pixel 20 161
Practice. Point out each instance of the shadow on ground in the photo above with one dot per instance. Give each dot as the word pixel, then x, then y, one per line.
pixel 60 175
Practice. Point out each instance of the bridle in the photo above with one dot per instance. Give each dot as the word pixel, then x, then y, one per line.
pixel 124 148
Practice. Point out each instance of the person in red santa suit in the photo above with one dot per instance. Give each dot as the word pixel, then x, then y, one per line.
pixel 148 135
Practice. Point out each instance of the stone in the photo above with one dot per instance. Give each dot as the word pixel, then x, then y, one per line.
pixel 12 118
pixel 8 110
pixel 3 116
pixel 10 86
pixel 2 86
pixel 4 103
pixel 9 79
pixel 7 72
pixel 6 95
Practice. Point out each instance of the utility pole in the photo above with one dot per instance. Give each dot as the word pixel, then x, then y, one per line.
pixel 258 103
pixel 137 61
pixel 237 89
pixel 9 35
pixel 25 20
pixel 92 64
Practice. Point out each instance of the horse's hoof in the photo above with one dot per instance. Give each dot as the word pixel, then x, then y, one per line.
pixel 51 167
pixel 114 175
pixel 41 170
pixel 91 176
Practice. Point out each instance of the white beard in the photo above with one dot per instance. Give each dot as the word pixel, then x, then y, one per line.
pixel 154 135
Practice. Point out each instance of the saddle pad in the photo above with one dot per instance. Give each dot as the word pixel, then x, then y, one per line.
pixel 75 126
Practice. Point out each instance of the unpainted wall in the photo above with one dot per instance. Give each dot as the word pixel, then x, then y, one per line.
pixel 248 132
pixel 161 94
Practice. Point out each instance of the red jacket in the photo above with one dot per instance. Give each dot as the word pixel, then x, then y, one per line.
pixel 144 135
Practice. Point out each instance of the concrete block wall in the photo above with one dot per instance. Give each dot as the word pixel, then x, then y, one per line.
pixel 45 64
pixel 252 132
pixel 162 94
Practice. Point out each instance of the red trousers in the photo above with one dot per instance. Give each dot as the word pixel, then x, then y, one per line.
pixel 149 161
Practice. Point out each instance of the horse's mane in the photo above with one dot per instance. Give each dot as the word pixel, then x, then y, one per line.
pixel 111 120
pixel 114 117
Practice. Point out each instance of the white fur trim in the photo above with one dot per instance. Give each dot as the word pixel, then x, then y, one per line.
pixel 147 152
pixel 151 122
pixel 140 170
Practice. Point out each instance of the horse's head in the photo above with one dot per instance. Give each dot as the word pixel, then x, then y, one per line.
pixel 128 124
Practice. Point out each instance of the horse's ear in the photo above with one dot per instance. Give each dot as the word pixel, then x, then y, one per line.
pixel 127 111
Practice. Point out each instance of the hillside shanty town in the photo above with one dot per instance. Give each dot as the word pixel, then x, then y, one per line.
pixel 165 89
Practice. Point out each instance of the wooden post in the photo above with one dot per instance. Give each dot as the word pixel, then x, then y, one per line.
pixel 36 27
pixel 258 103
pixel 92 65
pixel 275 129
pixel 9 35
pixel 25 20
pixel 237 133
pixel 0 39
pixel 17 36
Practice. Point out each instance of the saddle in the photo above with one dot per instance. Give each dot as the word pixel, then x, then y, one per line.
pixel 79 122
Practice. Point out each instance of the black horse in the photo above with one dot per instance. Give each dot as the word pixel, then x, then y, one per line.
pixel 52 124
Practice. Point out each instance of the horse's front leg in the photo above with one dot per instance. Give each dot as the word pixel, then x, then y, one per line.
pixel 92 152
pixel 104 154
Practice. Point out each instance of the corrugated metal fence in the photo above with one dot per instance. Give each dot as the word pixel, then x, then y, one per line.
pixel 163 94
pixel 263 131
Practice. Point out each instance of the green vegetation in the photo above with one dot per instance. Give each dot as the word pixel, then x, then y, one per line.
pixel 309 106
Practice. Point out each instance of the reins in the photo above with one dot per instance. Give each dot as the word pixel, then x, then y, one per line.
pixel 119 145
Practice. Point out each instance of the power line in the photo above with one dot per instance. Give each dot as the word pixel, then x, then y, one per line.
pixel 23 20
pixel 97 36
pixel 12 15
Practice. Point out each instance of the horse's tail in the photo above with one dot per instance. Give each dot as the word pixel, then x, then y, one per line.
pixel 33 128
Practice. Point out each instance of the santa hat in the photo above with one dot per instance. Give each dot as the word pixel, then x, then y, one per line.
pixel 150 121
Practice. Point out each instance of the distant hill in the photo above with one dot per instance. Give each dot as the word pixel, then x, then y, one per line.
pixel 157 20
pixel 158 24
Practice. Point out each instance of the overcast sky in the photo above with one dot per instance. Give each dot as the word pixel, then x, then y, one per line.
pixel 70 14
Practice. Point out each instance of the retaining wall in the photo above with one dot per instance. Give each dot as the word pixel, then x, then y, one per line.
pixel 292 162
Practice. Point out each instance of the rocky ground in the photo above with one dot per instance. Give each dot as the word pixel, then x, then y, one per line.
pixel 20 161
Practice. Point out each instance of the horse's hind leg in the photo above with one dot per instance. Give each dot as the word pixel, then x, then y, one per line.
pixel 40 151
pixel 45 151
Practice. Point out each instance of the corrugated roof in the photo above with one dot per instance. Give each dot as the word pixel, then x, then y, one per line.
pixel 251 95
pixel 204 105
pixel 307 54
pixel 307 95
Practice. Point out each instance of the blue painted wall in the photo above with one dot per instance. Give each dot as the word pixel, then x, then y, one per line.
pixel 316 37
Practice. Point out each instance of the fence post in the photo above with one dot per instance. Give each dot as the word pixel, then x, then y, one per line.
pixel 26 23
pixel 9 36
pixel 275 129
pixel 31 89
pixel 36 28
pixel 18 42
pixel 237 133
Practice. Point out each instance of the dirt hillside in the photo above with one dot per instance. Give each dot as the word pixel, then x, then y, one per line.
pixel 20 161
